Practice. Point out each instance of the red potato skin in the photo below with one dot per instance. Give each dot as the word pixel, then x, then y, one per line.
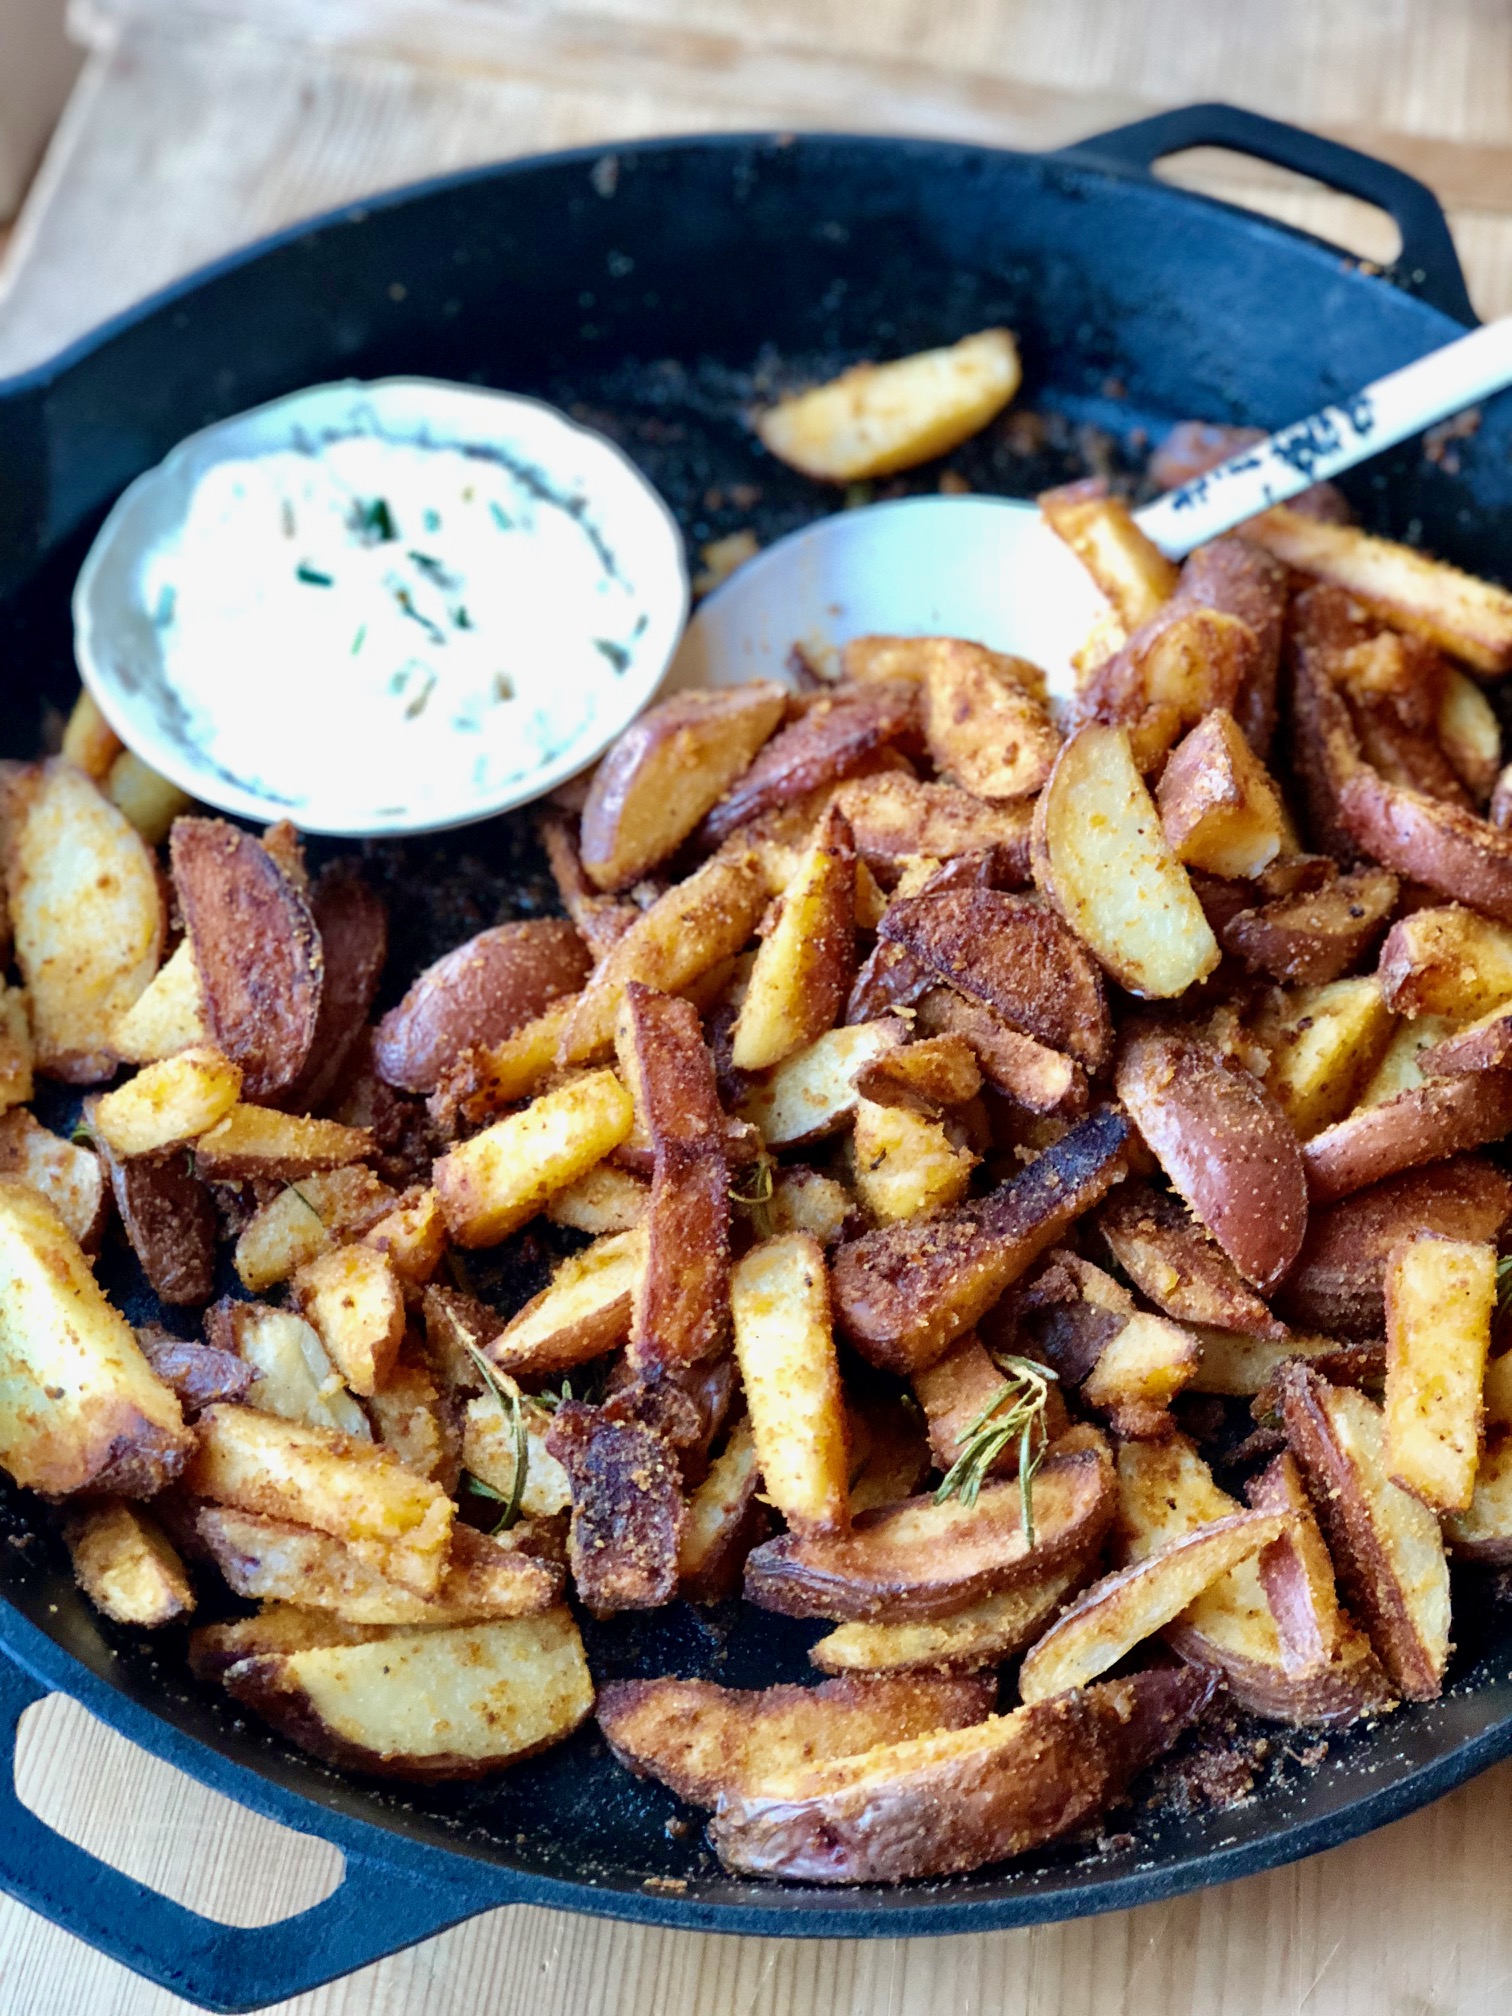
pixel 1071 1757
pixel 257 949
pixel 168 1216
pixel 1316 936
pixel 1225 1144
pixel 1169 1258
pixel 478 994
pixel 353 926
pixel 1427 1124
pixel 832 738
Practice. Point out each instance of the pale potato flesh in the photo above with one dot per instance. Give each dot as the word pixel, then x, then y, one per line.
pixel 491 1185
pixel 168 1102
pixel 1440 1302
pixel 779 1307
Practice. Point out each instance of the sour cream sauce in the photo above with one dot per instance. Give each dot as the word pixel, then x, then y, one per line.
pixel 433 622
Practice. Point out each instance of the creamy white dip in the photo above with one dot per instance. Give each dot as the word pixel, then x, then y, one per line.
pixel 385 623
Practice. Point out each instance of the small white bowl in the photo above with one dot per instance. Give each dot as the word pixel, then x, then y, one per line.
pixel 119 644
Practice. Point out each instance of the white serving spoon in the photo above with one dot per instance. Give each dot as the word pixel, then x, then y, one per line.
pixel 989 568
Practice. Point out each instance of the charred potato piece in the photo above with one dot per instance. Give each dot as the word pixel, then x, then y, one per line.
pixel 353 927
pixel 1225 1144
pixel 779 1299
pixel 627 1508
pixel 875 419
pixel 905 1293
pixel 1314 937
pixel 70 1176
pixel 86 910
pixel 1101 859
pixel 1171 1259
pixel 257 950
pixel 1218 804
pixel 667 770
pixel 828 741
pixel 127 1566
pixel 1440 1301
pixel 483 1083
pixel 491 1185
pixel 985 720
pixel 922 1560
pixel 807 961
pixel 82 1408
pixel 168 1217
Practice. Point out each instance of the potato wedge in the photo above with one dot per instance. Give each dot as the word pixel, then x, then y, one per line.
pixel 479 994
pixel 904 1294
pixel 803 1200
pixel 169 1218
pixel 1101 859
pixel 1469 618
pixel 983 1634
pixel 418 1420
pixel 1467 730
pixel 168 1103
pixel 1385 1544
pixel 604 1200
pixel 1324 1043
pixel 127 1566
pixel 1135 575
pixel 1297 1574
pixel 779 1304
pixel 200 1374
pixel 489 1186
pixel 926 1077
pixel 488 1453
pixel 1028 1072
pixel 581 1314
pixel 1448 961
pixel 302 1220
pixel 87 913
pixel 692 928
pixel 725 1520
pixel 1218 804
pixel 17 1052
pixel 1139 1373
pixel 1225 1144
pixel 669 767
pixel 1122 1609
pixel 985 719
pixel 352 1298
pixel 413 1236
pixel 353 924
pixel 256 1462
pixel 427 1705
pixel 71 1177
pixel 627 1508
pixel 1427 1123
pixel 709 1744
pixel 922 1560
pixel 954 1801
pixel 256 948
pixel 834 737
pixel 80 1407
pixel 89 741
pixel 167 1016
pixel 1243 1366
pixel 274 1561
pixel 875 419
pixel 807 961
pixel 1016 957
pixel 1170 1258
pixel 1314 937
pixel 905 1166
pixel 1483 1531
pixel 893 816
pixel 483 1083
pixel 813 1094
pixel 293 1376
pixel 149 800
pixel 259 1141
pixel 1440 1301
pixel 277 1627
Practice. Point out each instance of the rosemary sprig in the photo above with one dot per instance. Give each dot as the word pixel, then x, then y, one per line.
pixel 1017 1412
pixel 509 1397
pixel 1504 1284
pixel 757 1199
pixel 551 1401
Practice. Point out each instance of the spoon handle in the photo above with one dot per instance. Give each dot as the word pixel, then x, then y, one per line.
pixel 1399 405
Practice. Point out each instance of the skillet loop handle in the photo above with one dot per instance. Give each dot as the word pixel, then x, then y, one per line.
pixel 379 1907
pixel 1428 265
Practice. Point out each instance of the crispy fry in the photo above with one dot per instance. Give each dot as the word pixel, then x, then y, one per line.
pixel 985 719
pixel 167 1016
pixel 1324 1043
pixel 168 1103
pixel 69 1175
pixel 779 1297
pixel 351 1296
pixel 808 959
pixel 1218 804
pixel 495 1182
pixel 126 1565
pixel 1100 530
pixel 1440 1300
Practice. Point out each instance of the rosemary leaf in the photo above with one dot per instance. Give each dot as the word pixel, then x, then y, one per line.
pixel 509 1397
pixel 1015 1413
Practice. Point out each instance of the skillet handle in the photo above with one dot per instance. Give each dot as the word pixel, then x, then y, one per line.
pixel 1428 264
pixel 380 1906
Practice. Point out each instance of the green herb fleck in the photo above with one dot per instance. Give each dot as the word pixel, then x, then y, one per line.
pixel 406 603
pixel 501 517
pixel 617 655
pixel 431 567
pixel 461 618
pixel 312 576
pixel 1016 1413
pixel 82 1135
pixel 306 1202
pixel 511 1400
pixel 360 639
pixel 757 1198
pixel 551 1401
pixel 375 520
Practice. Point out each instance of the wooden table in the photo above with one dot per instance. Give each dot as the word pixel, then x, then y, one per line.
pixel 199 124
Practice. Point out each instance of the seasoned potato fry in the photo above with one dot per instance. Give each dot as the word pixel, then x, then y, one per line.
pixel 1468 732
pixel 1440 1300
pixel 127 1566
pixel 1483 1532
pixel 1225 1144
pixel 692 928
pixel 922 1560
pixel 293 1374
pixel 87 913
pixel 1218 804
pixel 905 1166
pixel 903 1294
pixel 1240 1365
pixel 1468 618
pixel 489 1186
pixel 627 1508
pixel 274 1561
pixel 985 719
pixel 709 1743
pixel 167 1016
pixel 253 1141
pixel 89 741
pixel 893 816
pixel 1101 858
pixel 807 961
pixel 1116 1613
pixel 927 1077
pixel 840 733
pixel 1170 1258
pixel 69 1176
pixel 583 1313
pixel 1316 935
pixel 479 995
pixel 1100 530
pixel 276 1627
pixel 256 948
pixel 1448 961
pixel 875 419
pixel 779 1304
pixel 726 1519
pixel 168 1103
pixel 168 1216
pixel 426 1704
pixel 417 1420
pixel 148 800
pixel 1424 1124
pixel 1385 1544
pixel 603 1200
pixel 334 1483
pixel 982 1634
pixel 957 1800
pixel 668 768
pixel 302 1220
pixel 1139 1373
pixel 17 1054
pixel 488 1453
pixel 483 1083
pixel 80 1407
pixel 1029 1072
pixel 351 1296
pixel 1324 1043
pixel 413 1236
pixel 814 1094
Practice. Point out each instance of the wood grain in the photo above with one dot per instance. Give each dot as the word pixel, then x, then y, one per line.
pixel 200 124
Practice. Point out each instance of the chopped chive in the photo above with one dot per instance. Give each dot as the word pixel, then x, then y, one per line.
pixel 617 655
pixel 312 575
pixel 360 639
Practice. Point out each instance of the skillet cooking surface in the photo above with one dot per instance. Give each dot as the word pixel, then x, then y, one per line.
pixel 657 293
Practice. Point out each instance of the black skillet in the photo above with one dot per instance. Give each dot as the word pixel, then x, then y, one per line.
pixel 657 290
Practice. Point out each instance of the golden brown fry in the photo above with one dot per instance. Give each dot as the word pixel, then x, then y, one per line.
pixel 1424 1124
pixel 168 1103
pixel 352 1297
pixel 982 1634
pixel 1100 530
pixel 582 1313
pixel 985 719
pixel 489 1186
pixel 1317 935
pixel 167 1016
pixel 1218 804
pixel 894 816
pixel 69 1175
pixel 814 1093
pixel 779 1301
pixel 905 1165
pixel 127 1566
pixel 302 1220
pixel 253 1141
pixel 1440 1301
pixel 1324 1043
pixel 807 960
pixel 726 1519
pixel 1170 1258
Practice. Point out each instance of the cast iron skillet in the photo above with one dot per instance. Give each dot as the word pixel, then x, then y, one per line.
pixel 657 289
